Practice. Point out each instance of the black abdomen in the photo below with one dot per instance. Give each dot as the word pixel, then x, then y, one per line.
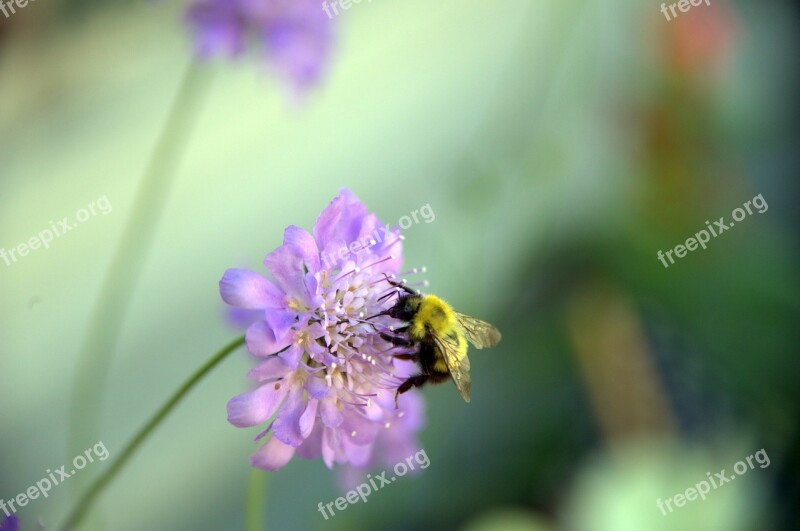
pixel 430 360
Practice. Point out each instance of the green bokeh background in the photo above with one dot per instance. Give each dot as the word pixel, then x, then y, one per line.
pixel 560 145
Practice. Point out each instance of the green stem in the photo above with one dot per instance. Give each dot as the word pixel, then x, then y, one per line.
pixel 85 503
pixel 254 508
pixel 126 264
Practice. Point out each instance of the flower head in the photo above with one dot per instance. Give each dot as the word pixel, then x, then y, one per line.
pixel 326 375
pixel 295 36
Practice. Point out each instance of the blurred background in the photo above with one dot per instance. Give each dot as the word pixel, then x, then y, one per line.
pixel 561 145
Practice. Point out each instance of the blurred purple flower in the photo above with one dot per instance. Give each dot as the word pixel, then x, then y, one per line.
pixel 327 376
pixel 295 36
pixel 10 524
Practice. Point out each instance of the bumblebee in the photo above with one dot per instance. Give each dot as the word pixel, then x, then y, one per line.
pixel 440 335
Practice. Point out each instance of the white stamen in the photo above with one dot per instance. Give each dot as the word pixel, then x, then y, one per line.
pixel 353 434
pixel 400 415
pixel 387 425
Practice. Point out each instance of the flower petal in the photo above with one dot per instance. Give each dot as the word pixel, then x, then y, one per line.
pixel 334 253
pixel 292 261
pixel 308 417
pixel 273 456
pixel 269 369
pixel 292 355
pixel 329 413
pixel 342 219
pixel 304 246
pixel 281 321
pixel 262 341
pixel 249 290
pixel 312 446
pixel 357 455
pixel 287 424
pixel 317 387
pixel 330 446
pixel 240 318
pixel 256 406
pixel 359 429
pixel 313 297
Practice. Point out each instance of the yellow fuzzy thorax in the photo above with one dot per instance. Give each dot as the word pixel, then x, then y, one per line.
pixel 434 314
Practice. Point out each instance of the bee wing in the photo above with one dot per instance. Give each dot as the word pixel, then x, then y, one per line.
pixel 480 333
pixel 455 356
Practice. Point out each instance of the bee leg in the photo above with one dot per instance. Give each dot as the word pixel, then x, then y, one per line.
pixel 395 340
pixel 414 381
pixel 411 356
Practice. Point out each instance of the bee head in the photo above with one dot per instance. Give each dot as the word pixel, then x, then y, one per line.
pixel 406 307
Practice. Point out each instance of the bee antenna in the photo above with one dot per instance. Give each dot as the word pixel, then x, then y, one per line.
pixel 391 292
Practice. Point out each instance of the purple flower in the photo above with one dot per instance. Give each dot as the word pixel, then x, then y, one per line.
pixel 10 524
pixel 295 36
pixel 327 379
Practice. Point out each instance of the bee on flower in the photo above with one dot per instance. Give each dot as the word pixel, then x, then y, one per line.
pixel 326 375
